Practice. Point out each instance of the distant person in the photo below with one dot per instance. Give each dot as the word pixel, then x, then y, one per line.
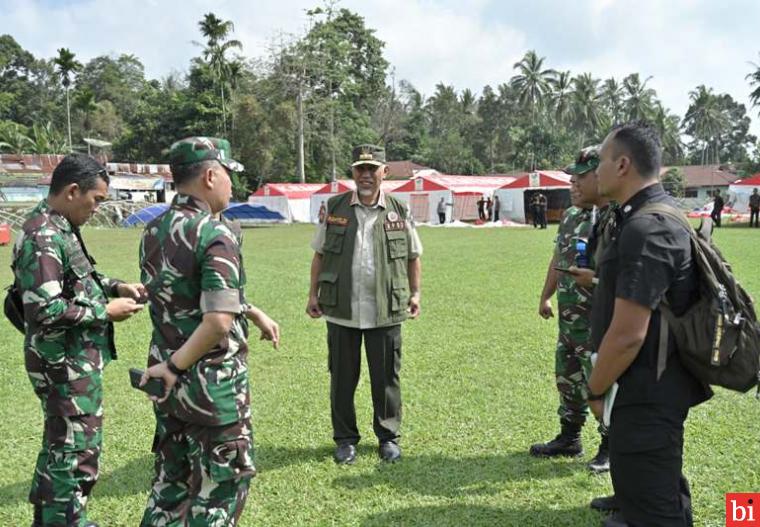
pixel 542 206
pixel 442 211
pixel 489 209
pixel 481 208
pixel 533 208
pixel 718 204
pixel 322 212
pixel 496 208
pixel 754 207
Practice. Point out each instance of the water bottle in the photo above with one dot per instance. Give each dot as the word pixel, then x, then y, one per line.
pixel 581 254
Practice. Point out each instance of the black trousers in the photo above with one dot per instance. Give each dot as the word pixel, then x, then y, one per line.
pixel 441 218
pixel 383 348
pixel 646 458
pixel 496 216
pixel 753 214
pixel 716 217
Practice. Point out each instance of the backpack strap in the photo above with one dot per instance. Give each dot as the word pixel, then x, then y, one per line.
pixel 674 213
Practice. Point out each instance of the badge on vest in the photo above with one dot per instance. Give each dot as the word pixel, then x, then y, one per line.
pixel 337 220
pixel 393 222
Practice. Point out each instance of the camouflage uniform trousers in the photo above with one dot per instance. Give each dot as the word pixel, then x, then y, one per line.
pixel 67 464
pixel 572 369
pixel 202 473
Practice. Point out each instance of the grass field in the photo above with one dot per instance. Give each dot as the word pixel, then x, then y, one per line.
pixel 478 389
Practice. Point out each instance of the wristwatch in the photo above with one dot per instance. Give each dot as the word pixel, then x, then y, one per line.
pixel 173 368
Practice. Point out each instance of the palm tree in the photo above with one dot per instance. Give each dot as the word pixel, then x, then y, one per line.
pixel 13 138
pixel 216 31
pixel 754 80
pixel 669 127
pixel 612 99
pixel 46 139
pixel 706 120
pixel 586 108
pixel 532 83
pixel 639 98
pixel 560 97
pixel 67 65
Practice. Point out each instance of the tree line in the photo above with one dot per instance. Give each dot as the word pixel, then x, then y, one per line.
pixel 295 113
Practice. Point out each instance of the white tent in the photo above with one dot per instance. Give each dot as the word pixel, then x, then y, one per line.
pixel 340 186
pixel 739 192
pixel 460 193
pixel 515 195
pixel 292 200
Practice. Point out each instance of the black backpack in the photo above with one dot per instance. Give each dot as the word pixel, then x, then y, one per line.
pixel 13 306
pixel 718 337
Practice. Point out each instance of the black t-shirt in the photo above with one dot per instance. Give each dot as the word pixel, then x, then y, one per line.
pixel 648 260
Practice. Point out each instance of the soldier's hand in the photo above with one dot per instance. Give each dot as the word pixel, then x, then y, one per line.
pixel 160 371
pixel 136 292
pixel 270 330
pixel 597 408
pixel 414 306
pixel 312 307
pixel 545 309
pixel 582 276
pixel 120 309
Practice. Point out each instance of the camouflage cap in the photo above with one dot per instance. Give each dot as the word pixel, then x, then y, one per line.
pixel 197 149
pixel 587 161
pixel 368 155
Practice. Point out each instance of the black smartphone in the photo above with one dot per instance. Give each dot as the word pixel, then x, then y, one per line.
pixel 561 269
pixel 152 387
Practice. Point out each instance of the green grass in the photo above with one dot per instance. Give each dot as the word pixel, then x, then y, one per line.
pixel 478 389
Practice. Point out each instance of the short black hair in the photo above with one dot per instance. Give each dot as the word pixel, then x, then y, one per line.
pixel 187 172
pixel 642 143
pixel 80 169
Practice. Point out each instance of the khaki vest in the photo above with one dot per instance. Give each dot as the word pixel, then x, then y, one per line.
pixel 391 261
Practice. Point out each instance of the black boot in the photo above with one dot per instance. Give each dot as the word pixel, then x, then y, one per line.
pixel 601 461
pixel 567 443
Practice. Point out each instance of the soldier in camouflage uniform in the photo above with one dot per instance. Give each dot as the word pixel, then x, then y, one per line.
pixel 573 352
pixel 69 338
pixel 192 267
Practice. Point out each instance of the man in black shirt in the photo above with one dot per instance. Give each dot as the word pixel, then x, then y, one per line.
pixel 718 204
pixel 647 261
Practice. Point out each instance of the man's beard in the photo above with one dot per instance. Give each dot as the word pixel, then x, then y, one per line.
pixel 367 192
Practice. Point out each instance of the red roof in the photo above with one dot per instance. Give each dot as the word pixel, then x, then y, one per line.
pixel 403 169
pixel 753 181
pixel 456 184
pixel 289 190
pixel 344 185
pixel 545 178
pixel 706 175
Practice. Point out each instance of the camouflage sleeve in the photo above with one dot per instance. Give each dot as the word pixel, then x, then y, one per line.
pixel 39 273
pixel 221 278
pixel 110 285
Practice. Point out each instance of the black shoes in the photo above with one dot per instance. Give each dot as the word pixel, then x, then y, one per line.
pixel 389 452
pixel 567 443
pixel 601 461
pixel 605 504
pixel 345 454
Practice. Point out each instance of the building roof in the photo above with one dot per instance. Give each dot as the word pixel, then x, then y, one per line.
pixel 456 184
pixel 541 179
pixel 289 190
pixel 753 181
pixel 706 175
pixel 403 169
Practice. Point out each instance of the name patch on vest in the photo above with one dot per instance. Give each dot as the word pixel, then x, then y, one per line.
pixel 337 220
pixel 399 225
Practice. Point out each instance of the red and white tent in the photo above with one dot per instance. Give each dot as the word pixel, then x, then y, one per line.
pixel 740 190
pixel 460 193
pixel 292 200
pixel 326 191
pixel 515 196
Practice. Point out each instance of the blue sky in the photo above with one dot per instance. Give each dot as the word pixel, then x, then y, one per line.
pixel 468 44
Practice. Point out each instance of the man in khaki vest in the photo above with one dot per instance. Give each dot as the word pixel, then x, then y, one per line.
pixel 365 280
